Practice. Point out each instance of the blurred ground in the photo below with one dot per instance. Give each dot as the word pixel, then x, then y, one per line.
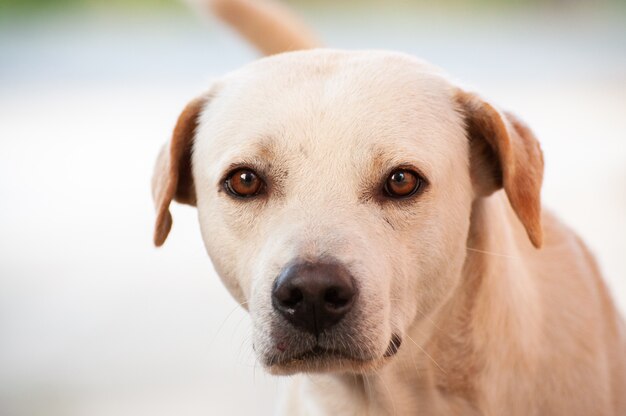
pixel 95 321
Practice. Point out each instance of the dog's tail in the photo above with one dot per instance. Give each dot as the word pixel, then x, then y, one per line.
pixel 267 24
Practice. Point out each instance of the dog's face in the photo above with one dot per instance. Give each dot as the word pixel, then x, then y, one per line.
pixel 334 193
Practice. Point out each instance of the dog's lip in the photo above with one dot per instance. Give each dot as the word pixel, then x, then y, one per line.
pixel 394 346
pixel 320 353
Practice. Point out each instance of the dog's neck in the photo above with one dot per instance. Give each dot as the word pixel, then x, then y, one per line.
pixel 443 359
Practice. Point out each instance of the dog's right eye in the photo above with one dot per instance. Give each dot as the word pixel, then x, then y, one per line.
pixel 243 183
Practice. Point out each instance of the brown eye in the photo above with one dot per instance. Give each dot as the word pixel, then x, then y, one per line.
pixel 243 183
pixel 402 183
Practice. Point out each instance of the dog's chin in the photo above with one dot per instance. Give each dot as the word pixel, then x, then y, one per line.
pixel 321 360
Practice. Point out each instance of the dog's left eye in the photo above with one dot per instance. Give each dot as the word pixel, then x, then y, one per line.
pixel 402 183
pixel 243 183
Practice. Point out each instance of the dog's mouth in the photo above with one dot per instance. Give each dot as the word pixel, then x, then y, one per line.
pixel 318 352
pixel 321 359
pixel 394 346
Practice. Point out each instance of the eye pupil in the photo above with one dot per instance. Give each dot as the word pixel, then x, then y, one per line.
pixel 398 177
pixel 247 178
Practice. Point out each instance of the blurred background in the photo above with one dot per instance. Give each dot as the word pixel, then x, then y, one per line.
pixel 93 319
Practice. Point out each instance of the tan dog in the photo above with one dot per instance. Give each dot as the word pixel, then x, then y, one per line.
pixel 383 228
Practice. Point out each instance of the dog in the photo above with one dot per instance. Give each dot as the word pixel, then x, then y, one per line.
pixel 384 230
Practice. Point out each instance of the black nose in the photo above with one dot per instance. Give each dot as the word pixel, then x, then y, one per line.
pixel 314 296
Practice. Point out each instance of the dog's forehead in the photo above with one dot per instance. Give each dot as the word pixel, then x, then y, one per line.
pixel 358 103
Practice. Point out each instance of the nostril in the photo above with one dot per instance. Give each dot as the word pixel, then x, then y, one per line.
pixel 293 298
pixel 334 298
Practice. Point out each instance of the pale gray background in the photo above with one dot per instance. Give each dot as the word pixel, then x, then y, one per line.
pixel 95 321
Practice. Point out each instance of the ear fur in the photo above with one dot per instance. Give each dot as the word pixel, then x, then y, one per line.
pixel 505 153
pixel 172 178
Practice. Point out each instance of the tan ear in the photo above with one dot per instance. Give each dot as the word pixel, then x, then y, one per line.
pixel 505 153
pixel 172 179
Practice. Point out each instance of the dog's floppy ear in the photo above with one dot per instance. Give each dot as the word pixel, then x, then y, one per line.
pixel 504 153
pixel 172 178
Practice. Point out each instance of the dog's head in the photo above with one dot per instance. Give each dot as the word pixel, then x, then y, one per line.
pixel 334 192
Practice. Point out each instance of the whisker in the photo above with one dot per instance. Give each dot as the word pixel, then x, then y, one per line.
pixel 428 355
pixel 382 380
pixel 491 253
pixel 232 335
pixel 424 315
pixel 224 322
